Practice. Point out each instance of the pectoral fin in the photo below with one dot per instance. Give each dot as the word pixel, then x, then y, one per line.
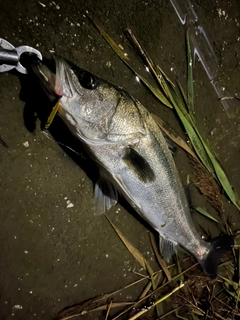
pixel 105 196
pixel 138 165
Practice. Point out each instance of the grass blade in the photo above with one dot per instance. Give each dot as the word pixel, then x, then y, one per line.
pixel 221 175
pixel 147 60
pixel 193 137
pixel 179 271
pixel 169 294
pixel 91 305
pixel 163 82
pixel 173 136
pixel 160 260
pixel 110 41
pixel 135 253
pixel 230 282
pixel 190 92
pixel 206 214
pixel 155 291
pixel 172 99
pixel 188 120
pixel 137 315
pixel 158 94
pixel 194 317
pixel 201 146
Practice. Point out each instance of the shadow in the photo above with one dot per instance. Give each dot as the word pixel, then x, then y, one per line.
pixel 39 106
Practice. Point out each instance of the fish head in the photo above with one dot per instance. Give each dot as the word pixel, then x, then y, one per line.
pixel 87 104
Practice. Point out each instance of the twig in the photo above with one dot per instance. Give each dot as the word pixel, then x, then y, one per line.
pixel 146 58
pixel 142 275
pixel 193 305
pixel 218 315
pixel 108 310
pixel 154 292
pixel 74 314
pixel 137 315
pixel 160 260
pixel 149 285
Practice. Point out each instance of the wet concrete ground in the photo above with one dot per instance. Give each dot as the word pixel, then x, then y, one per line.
pixel 54 251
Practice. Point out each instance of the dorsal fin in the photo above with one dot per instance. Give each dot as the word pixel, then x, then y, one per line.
pixel 170 144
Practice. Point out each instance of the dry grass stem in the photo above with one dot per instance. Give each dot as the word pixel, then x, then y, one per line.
pixel 81 309
pixel 108 310
pixel 173 136
pixel 160 260
pixel 154 292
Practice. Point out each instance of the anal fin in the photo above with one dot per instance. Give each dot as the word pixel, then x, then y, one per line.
pixel 167 247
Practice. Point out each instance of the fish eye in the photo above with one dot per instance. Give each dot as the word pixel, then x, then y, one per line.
pixel 87 80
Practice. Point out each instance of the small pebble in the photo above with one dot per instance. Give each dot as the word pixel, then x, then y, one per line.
pixel 26 144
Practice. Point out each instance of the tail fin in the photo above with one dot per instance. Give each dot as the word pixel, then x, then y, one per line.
pixel 218 247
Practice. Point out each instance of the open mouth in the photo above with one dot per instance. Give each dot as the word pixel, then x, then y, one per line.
pixel 45 71
pixel 56 78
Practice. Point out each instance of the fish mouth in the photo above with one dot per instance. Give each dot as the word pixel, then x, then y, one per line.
pixel 55 76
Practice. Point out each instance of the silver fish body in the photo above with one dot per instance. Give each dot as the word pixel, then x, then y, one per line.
pixel 132 156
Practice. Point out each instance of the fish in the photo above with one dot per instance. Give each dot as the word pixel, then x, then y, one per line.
pixel 132 156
